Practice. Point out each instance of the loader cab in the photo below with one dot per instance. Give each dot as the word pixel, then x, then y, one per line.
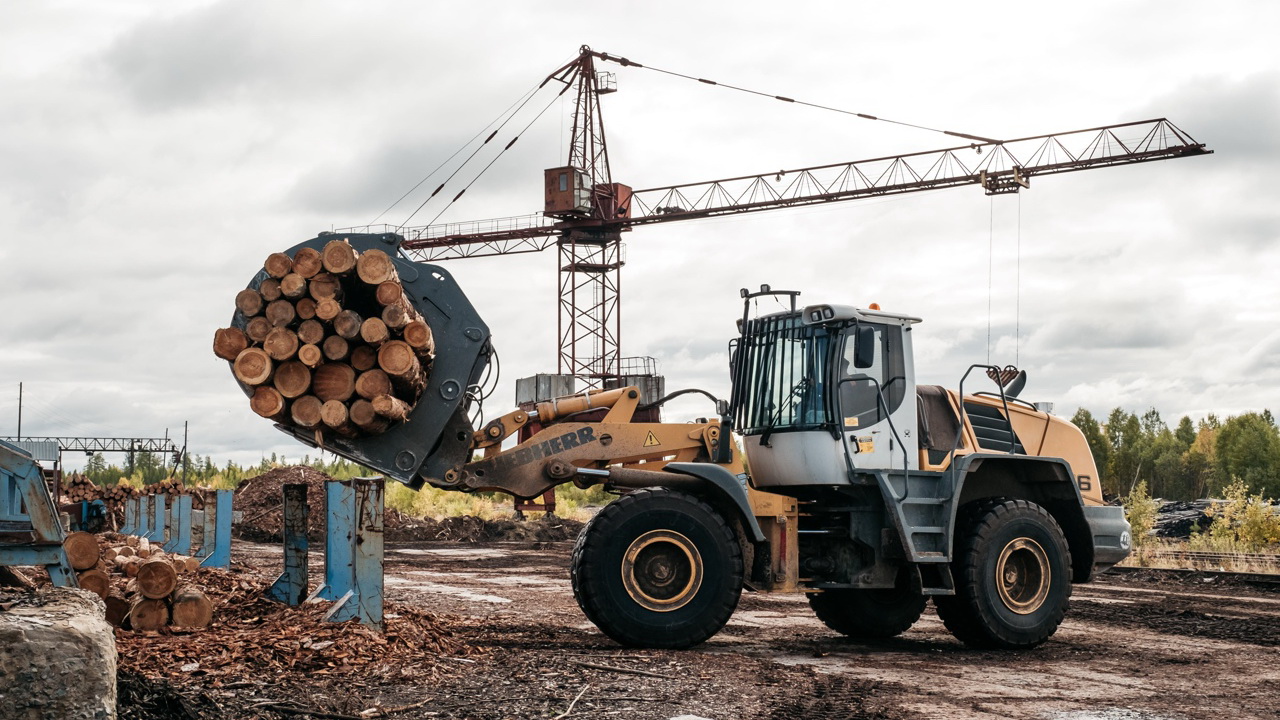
pixel 818 393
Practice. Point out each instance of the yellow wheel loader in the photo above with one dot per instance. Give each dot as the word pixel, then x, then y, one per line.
pixel 867 492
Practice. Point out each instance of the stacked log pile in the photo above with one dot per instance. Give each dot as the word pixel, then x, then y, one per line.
pixel 329 342
pixel 143 587
pixel 79 488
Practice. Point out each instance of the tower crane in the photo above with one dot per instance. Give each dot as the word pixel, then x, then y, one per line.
pixel 586 212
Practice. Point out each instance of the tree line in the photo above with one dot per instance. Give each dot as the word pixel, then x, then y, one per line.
pixel 144 468
pixel 1189 461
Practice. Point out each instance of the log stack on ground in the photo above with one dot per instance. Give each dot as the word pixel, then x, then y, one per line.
pixel 141 586
pixel 305 339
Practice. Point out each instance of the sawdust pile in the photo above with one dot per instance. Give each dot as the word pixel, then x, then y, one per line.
pixel 253 636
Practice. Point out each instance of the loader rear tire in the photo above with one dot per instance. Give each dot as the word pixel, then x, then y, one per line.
pixel 1012 570
pixel 871 614
pixel 658 569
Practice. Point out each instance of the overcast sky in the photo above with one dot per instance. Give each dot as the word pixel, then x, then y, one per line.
pixel 152 153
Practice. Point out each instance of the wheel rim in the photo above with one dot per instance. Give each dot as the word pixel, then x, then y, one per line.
pixel 662 570
pixel 1023 575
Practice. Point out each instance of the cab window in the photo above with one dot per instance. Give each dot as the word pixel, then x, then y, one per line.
pixel 859 406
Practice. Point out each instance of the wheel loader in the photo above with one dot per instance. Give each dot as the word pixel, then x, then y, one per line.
pixel 868 493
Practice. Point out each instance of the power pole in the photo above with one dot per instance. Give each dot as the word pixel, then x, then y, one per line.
pixel 19 411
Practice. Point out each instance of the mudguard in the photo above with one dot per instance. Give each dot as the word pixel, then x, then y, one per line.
pixel 727 486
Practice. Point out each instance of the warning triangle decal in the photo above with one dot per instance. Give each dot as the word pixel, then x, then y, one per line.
pixel 650 440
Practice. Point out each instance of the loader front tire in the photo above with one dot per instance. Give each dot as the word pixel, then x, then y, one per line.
pixel 659 569
pixel 871 614
pixel 1012 570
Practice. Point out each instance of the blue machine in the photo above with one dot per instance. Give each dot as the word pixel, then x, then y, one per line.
pixel 89 516
pixel 29 530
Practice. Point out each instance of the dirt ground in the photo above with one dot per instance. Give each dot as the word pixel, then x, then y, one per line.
pixel 1133 647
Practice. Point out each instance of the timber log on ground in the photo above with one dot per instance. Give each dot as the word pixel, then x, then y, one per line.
pixel 312 326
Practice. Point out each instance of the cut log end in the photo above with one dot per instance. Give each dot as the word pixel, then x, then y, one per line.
pixel 325 285
pixel 347 324
pixel 293 379
pixel 375 267
pixel 249 302
pixel 363 417
pixel 81 549
pixel 305 411
pixel 228 342
pixel 191 608
pixel 311 332
pixel 364 358
pixel 389 293
pixel 270 289
pixel 310 355
pixel 339 257
pixel 95 581
pixel 278 265
pixel 156 578
pixel 307 262
pixel 374 331
pixel 306 308
pixel 335 348
pixel 280 313
pixel 293 286
pixel 268 402
pixel 148 614
pixel 334 381
pixel 418 335
pixel 281 344
pixel 257 328
pixel 372 383
pixel 252 366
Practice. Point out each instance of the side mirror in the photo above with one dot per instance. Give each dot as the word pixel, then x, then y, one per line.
pixel 864 348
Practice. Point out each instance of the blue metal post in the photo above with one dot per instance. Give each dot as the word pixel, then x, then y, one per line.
pixel 158 517
pixel 216 548
pixel 364 601
pixel 206 535
pixel 291 587
pixel 130 516
pixel 339 540
pixel 180 526
pixel 143 528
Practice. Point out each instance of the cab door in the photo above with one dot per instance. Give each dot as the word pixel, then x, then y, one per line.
pixel 862 417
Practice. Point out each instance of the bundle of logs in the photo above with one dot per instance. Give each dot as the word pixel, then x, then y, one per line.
pixel 143 587
pixel 329 342
pixel 79 488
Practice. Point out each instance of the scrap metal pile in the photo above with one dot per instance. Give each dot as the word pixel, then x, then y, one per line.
pixel 327 341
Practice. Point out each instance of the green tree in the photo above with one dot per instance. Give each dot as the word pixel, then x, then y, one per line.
pixel 96 469
pixel 148 468
pixel 1248 448
pixel 1186 433
pixel 1128 445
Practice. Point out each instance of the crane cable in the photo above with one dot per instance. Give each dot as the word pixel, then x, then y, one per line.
pixel 455 154
pixel 527 97
pixel 485 169
pixel 783 98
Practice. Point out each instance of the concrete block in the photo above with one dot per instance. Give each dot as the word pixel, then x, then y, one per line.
pixel 57 656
